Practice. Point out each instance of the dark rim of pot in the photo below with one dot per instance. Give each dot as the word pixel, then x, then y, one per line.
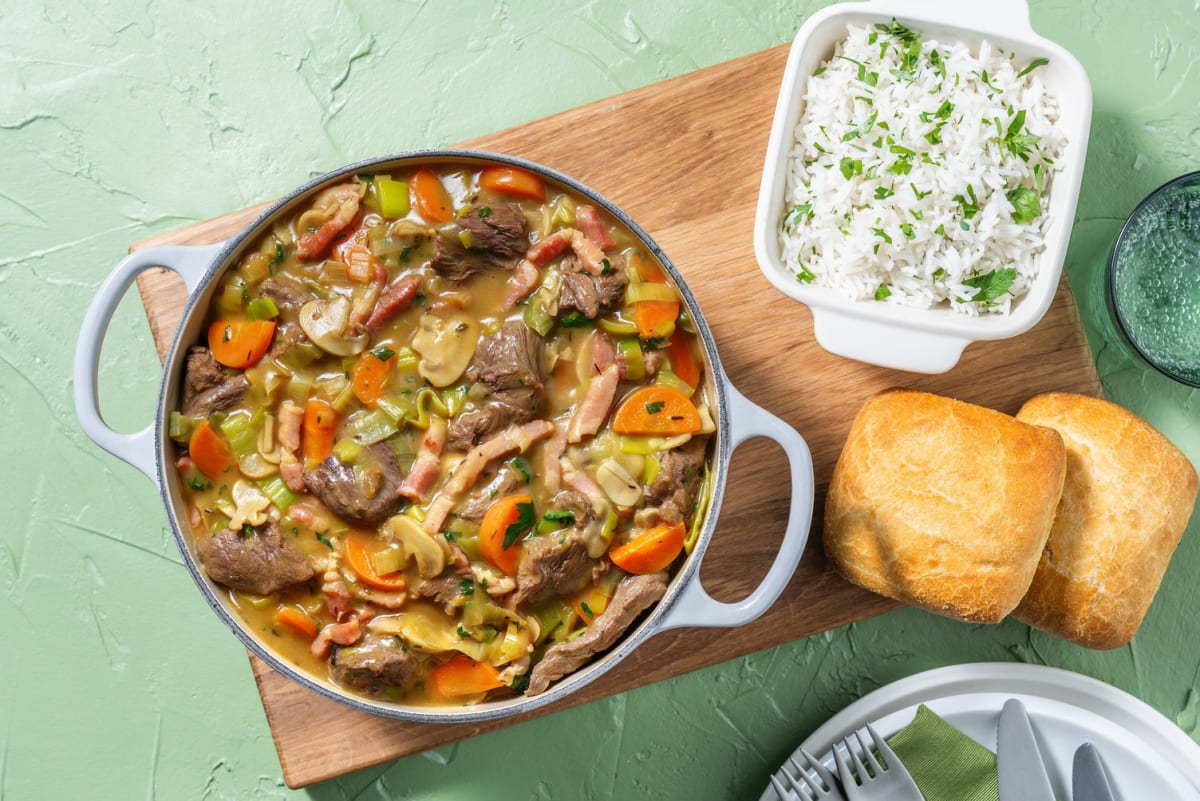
pixel 518 704
pixel 1114 310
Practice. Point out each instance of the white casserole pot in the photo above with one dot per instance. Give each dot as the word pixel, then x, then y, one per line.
pixel 150 451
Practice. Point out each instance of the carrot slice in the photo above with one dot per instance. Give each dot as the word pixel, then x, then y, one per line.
pixel 655 319
pixel 684 363
pixel 320 420
pixel 370 375
pixel 359 546
pixel 500 516
pixel 651 551
pixel 513 181
pixel 462 675
pixel 430 198
pixel 240 343
pixel 211 454
pixel 296 620
pixel 658 410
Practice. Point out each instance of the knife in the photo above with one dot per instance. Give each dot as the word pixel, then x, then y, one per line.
pixel 1020 771
pixel 1089 782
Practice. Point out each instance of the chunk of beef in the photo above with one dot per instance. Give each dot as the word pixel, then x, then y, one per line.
pixel 633 596
pixel 260 564
pixel 335 483
pixel 553 565
pixel 374 663
pixel 288 294
pixel 678 481
pixel 577 504
pixel 446 590
pixel 206 386
pixel 287 336
pixel 498 239
pixel 592 294
pixel 477 505
pixel 508 364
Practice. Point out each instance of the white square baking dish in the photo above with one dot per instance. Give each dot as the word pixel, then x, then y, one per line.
pixel 906 338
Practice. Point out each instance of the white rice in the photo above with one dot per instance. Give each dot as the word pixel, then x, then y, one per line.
pixel 836 229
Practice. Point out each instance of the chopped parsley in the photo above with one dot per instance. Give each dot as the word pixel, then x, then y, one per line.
pixel 798 212
pixel 883 293
pixel 587 610
pixel 605 267
pixel 969 204
pixel 1026 205
pixel 247 530
pixel 655 407
pixel 383 354
pixel 485 212
pixel 1033 65
pixel 280 254
pixel 564 516
pixel 991 285
pixel 324 539
pixel 805 276
pixel 522 524
pixel 940 230
pixel 883 192
pixel 1017 143
pixel 463 634
pixel 939 274
pixel 850 167
pixel 907 230
pixel 882 234
pixel 197 483
pixel 521 466
pixel 575 319
pixel 520 683
pixel 861 130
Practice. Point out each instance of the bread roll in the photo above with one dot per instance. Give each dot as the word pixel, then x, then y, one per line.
pixel 943 504
pixel 1127 498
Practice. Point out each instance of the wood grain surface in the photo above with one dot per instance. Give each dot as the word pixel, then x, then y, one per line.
pixel 684 158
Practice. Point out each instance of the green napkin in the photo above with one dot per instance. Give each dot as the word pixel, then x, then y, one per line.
pixel 946 764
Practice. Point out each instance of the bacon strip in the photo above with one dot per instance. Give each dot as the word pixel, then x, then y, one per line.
pixel 588 219
pixel 550 248
pixel 342 201
pixel 393 300
pixel 428 463
pixel 291 416
pixel 551 451
pixel 591 411
pixel 346 633
pixel 515 438
pixel 524 280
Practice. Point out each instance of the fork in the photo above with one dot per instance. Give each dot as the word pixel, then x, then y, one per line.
pixel 874 781
pixel 824 787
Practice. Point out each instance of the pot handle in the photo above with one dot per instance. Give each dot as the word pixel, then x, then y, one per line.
pixel 138 448
pixel 696 607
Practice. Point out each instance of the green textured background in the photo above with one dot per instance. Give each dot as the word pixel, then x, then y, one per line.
pixel 119 120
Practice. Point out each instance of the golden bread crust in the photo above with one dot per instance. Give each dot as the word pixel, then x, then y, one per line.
pixel 943 504
pixel 1126 502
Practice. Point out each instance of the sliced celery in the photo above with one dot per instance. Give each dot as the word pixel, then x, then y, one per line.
pixel 536 316
pixel 404 452
pixel 300 356
pixel 427 402
pixel 563 215
pixel 703 502
pixel 647 290
pixel 232 298
pixel 416 513
pixel 393 197
pixel 346 400
pixel 239 430
pixel 367 428
pixel 617 326
pixel 651 468
pixel 632 443
pixel 347 450
pixel 298 389
pixel 179 428
pixel 395 407
pixel 261 309
pixel 631 354
pixel 329 388
pixel 454 398
pixel 255 268
pixel 278 492
pixel 669 379
pixel 406 358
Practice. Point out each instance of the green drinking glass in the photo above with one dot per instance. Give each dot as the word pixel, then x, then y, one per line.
pixel 1154 279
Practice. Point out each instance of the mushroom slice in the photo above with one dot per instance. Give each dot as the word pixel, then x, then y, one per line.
pixel 327 324
pixel 417 544
pixel 614 479
pixel 446 345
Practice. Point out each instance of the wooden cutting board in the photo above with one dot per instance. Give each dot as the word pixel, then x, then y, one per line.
pixel 684 158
